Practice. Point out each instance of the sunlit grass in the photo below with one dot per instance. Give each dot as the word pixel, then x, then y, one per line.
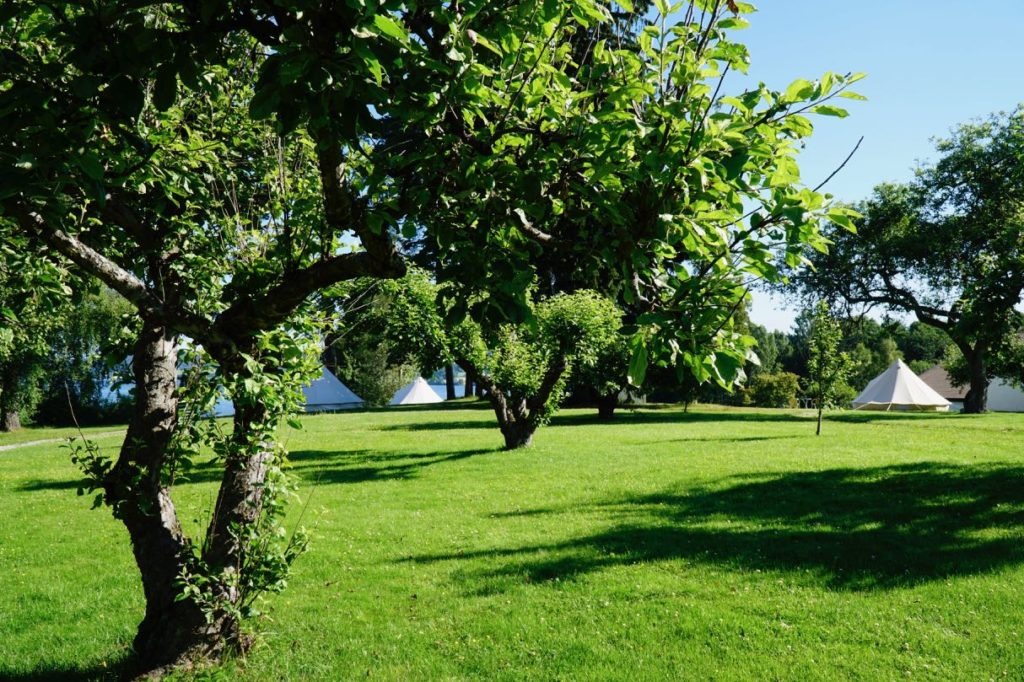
pixel 719 544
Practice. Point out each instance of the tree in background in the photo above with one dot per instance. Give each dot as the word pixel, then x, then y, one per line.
pixel 773 389
pixel 34 304
pixel 948 248
pixel 827 366
pixel 524 368
pixel 87 354
pixel 383 333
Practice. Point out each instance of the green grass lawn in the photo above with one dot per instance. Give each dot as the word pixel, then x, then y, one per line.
pixel 719 544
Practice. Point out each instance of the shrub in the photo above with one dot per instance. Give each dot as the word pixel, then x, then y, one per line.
pixel 774 390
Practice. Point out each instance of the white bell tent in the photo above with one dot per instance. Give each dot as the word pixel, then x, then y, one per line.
pixel 416 392
pixel 898 388
pixel 325 394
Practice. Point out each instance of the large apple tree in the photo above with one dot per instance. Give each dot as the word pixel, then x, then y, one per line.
pixel 213 162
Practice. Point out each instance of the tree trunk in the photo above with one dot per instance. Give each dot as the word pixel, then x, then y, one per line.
pixel 172 633
pixel 10 420
pixel 480 392
pixel 606 405
pixel 818 431
pixel 467 389
pixel 449 382
pixel 518 434
pixel 976 400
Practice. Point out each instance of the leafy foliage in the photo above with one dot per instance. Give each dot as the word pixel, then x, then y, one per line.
pixel 947 248
pixel 827 366
pixel 769 389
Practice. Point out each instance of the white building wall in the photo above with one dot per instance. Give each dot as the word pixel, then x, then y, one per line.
pixel 1002 397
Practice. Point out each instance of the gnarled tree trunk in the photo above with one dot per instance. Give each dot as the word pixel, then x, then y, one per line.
pixel 976 400
pixel 10 420
pixel 173 632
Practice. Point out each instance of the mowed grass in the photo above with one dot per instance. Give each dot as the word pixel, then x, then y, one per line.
pixel 718 544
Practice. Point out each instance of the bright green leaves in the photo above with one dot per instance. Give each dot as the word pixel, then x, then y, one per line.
pixel 799 90
pixel 829 110
pixel 388 26
pixel 638 361
pixel 843 217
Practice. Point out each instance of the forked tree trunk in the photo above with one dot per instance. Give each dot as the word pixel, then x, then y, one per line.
pixel 518 418
pixel 178 634
pixel 976 400
pixel 173 632
pixel 518 434
pixel 449 382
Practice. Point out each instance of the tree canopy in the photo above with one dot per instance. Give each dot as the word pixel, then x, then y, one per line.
pixel 219 163
pixel 947 247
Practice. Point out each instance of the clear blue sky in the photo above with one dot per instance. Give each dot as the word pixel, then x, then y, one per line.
pixel 930 65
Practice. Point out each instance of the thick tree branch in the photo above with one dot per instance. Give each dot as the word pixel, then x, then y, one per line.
pixel 271 308
pixel 84 256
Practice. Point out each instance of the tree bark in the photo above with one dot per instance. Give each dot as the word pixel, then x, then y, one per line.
pixel 606 405
pixel 518 433
pixel 449 382
pixel 467 388
pixel 10 421
pixel 518 417
pixel 173 632
pixel 10 415
pixel 976 400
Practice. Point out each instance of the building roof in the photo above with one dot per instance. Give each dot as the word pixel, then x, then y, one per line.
pixel 938 379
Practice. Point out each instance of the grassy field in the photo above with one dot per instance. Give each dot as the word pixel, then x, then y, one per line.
pixel 719 544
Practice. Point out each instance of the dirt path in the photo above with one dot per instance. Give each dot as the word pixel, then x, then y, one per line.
pixel 30 443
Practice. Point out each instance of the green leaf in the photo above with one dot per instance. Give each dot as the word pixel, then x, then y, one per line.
pixel 830 110
pixel 125 95
pixel 264 102
pixel 91 166
pixel 626 5
pixel 637 362
pixel 850 94
pixel 798 90
pixel 735 23
pixel 389 27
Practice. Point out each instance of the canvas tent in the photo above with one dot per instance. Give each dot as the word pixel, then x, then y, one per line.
pixel 898 388
pixel 417 392
pixel 325 394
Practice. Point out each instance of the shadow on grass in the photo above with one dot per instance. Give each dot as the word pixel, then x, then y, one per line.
pixel 115 670
pixel 849 529
pixel 360 466
pixel 319 466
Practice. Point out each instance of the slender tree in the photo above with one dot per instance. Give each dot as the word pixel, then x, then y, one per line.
pixel 827 366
